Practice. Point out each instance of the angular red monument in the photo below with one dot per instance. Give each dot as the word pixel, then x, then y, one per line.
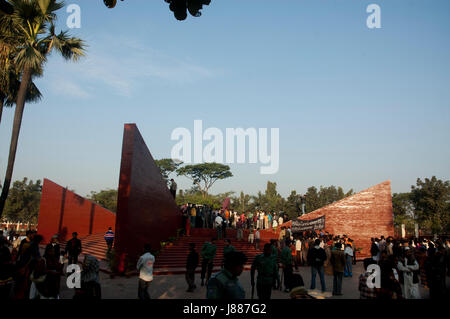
pixel 64 212
pixel 361 216
pixel 146 211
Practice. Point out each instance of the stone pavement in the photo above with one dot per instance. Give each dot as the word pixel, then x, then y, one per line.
pixel 174 286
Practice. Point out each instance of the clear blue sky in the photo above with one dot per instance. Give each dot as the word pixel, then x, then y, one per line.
pixel 354 106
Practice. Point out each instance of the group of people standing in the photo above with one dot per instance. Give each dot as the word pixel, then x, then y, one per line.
pixel 29 272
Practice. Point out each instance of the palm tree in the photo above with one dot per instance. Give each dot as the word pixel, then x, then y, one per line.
pixel 36 39
pixel 9 80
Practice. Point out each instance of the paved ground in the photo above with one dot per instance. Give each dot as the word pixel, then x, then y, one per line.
pixel 174 286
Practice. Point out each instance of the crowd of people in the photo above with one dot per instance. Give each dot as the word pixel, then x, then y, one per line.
pixel 400 264
pixel 203 216
pixel 28 272
pixel 395 270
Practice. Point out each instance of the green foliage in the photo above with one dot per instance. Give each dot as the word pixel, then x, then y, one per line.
pixel 431 200
pixel 195 196
pixel 205 175
pixel 167 166
pixel 292 205
pixel 23 201
pixel 326 195
pixel 106 198
pixel 403 209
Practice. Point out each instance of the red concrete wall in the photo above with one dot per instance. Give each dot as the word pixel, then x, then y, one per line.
pixel 361 216
pixel 64 212
pixel 146 211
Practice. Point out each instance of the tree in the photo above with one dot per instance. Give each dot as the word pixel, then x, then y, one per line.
pixel 431 200
pixel 241 203
pixel 205 175
pixel 23 202
pixel 403 209
pixel 326 195
pixel 167 166
pixel 106 198
pixel 273 200
pixel 9 75
pixel 34 29
pixel 292 206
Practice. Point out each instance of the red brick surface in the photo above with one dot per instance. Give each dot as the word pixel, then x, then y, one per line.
pixel 361 216
pixel 64 212
pixel 146 211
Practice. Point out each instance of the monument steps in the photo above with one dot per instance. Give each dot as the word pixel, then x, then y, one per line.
pixel 172 258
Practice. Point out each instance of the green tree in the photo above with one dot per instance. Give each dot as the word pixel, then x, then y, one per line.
pixel 9 75
pixel 241 203
pixel 33 24
pixel 167 166
pixel 312 201
pixel 106 198
pixel 431 200
pixel 403 209
pixel 292 205
pixel 23 202
pixel 316 199
pixel 274 201
pixel 205 175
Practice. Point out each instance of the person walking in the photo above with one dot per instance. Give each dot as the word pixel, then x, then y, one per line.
pixel 267 273
pixel 409 270
pixel 191 265
pixel 338 261
pixel 173 188
pixel 90 281
pixel 348 252
pixel 298 253
pixel 225 284
pixel 316 259
pixel 287 263
pixel 208 253
pixel 73 249
pixel 109 238
pixel 257 239
pixel 218 224
pixel 145 268
pixel 365 292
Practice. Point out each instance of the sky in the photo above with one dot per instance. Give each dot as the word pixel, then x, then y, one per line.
pixel 354 106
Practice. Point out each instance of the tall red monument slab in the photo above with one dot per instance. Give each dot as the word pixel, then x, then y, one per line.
pixel 146 211
pixel 362 216
pixel 63 212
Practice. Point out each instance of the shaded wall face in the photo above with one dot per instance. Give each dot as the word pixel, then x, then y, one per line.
pixel 64 212
pixel 146 211
pixel 362 216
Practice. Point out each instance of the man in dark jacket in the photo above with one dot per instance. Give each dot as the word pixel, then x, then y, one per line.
pixel 316 259
pixel 73 249
pixel 338 262
pixel 53 245
pixel 191 265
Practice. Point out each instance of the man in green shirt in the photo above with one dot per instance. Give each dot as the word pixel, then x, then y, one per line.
pixel 208 253
pixel 287 262
pixel 227 248
pixel 267 273
pixel 225 284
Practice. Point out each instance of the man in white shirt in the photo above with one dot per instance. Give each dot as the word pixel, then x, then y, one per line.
pixel 348 251
pixel 257 238
pixel 145 268
pixel 218 225
pixel 298 253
